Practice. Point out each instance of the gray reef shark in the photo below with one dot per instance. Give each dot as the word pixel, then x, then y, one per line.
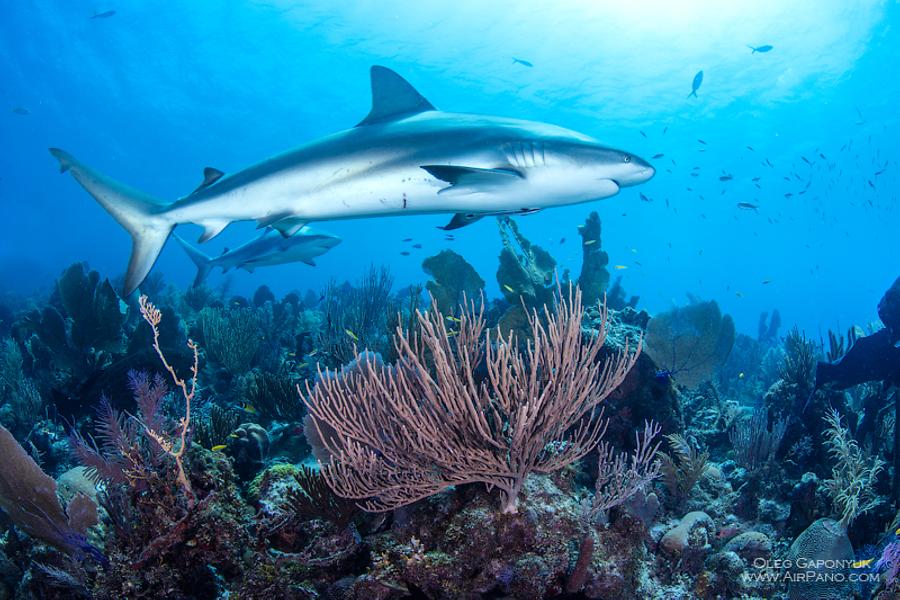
pixel 405 157
pixel 270 248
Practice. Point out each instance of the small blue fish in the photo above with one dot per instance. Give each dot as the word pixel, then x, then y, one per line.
pixel 524 63
pixel 761 49
pixel 104 15
pixel 698 80
pixel 663 376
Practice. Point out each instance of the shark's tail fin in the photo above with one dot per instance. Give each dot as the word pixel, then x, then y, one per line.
pixel 141 215
pixel 693 93
pixel 202 261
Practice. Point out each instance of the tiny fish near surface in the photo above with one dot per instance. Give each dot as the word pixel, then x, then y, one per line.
pixel 695 85
pixel 519 61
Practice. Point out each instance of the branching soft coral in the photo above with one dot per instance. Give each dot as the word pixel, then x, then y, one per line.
pixel 852 483
pixel 399 434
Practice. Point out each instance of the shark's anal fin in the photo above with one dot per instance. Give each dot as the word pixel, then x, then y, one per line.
pixel 393 98
pixel 212 228
pixel 271 219
pixel 461 220
pixel 210 176
pixel 309 261
pixel 472 177
pixel 289 226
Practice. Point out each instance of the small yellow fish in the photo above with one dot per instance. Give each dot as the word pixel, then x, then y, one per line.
pixel 452 319
pixel 741 375
pixel 620 267
pixel 249 408
pixel 897 532
pixel 233 436
pixel 292 354
pixel 314 352
pixel 862 563
pixel 218 448
pixel 352 335
pixel 452 333
pixel 589 242
pixel 302 365
pixel 509 288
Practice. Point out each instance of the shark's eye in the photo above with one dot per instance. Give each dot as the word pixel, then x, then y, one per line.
pixel 627 158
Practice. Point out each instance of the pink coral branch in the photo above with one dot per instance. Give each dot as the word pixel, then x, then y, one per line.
pixel 398 434
pixel 153 316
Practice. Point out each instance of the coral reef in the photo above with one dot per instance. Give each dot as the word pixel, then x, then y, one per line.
pixel 690 342
pixel 548 459
pixel 454 281
pixel 594 278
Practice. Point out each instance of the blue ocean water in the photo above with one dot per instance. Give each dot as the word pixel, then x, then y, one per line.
pixel 155 92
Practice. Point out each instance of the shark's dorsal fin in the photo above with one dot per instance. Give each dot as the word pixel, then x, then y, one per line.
pixel 210 176
pixel 393 98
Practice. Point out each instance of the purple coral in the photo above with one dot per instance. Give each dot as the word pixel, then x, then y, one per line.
pixel 890 562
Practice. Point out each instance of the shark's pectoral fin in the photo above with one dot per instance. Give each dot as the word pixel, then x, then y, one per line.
pixel 472 178
pixel 289 226
pixel 212 228
pixel 248 267
pixel 393 98
pixel 309 261
pixel 210 176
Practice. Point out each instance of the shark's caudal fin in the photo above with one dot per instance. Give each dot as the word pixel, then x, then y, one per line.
pixel 202 261
pixel 141 215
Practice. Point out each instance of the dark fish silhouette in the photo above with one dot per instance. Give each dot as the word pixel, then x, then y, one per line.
pixel 660 155
pixel 698 81
pixel 748 206
pixel 761 49
pixel 104 15
pixel 21 110
pixel 645 198
pixel 726 178
pixel 524 63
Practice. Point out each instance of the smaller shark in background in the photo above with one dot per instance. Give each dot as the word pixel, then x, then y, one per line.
pixel 270 248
